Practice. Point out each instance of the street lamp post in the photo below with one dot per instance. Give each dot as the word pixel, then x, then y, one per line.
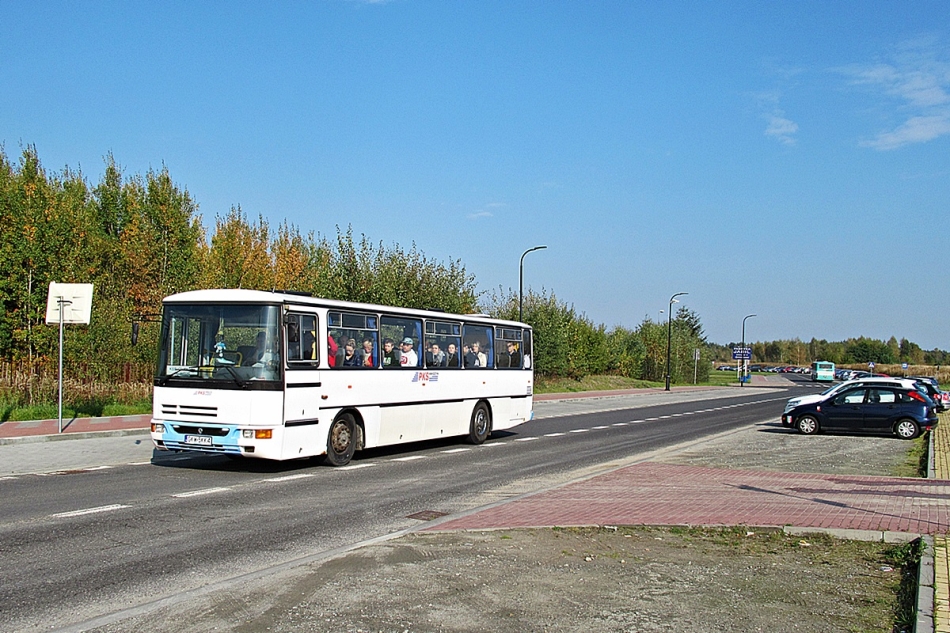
pixel 742 347
pixel 669 335
pixel 521 281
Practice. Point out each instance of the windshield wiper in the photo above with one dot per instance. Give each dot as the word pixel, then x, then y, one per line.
pixel 234 374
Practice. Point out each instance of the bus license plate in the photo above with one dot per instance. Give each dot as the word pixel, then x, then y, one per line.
pixel 198 439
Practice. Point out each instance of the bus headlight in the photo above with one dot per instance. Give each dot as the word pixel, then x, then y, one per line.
pixel 158 427
pixel 247 433
pixel 257 434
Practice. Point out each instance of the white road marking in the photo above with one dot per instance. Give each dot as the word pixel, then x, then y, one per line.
pixel 525 439
pixel 355 466
pixel 198 493
pixel 554 434
pixel 408 459
pixel 78 513
pixel 580 430
pixel 288 478
pixel 457 450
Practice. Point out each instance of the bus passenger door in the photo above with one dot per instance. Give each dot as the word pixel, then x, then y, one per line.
pixel 304 431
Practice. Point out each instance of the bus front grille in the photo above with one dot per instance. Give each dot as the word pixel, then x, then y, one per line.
pixel 189 410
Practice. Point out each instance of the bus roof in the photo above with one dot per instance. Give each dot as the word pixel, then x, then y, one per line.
pixel 241 295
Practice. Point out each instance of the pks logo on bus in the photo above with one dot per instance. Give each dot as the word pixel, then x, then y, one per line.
pixel 425 376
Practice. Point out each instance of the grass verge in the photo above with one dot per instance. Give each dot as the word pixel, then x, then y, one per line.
pixel 88 409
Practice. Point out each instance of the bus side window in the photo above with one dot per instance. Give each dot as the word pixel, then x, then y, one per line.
pixel 301 339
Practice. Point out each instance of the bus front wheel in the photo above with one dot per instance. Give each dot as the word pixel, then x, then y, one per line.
pixel 341 442
pixel 480 427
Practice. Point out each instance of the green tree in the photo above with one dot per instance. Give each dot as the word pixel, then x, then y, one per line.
pixel 866 350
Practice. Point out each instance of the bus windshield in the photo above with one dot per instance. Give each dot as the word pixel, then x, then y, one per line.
pixel 232 344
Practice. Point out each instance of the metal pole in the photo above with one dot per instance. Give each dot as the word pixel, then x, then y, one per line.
pixel 62 303
pixel 742 347
pixel 521 280
pixel 669 335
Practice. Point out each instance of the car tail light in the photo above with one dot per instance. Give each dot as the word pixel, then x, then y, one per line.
pixel 916 396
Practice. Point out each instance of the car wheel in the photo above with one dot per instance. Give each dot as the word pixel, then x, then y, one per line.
pixel 807 425
pixel 480 428
pixel 341 442
pixel 907 429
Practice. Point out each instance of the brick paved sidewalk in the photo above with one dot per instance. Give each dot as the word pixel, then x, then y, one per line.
pixel 652 493
pixel 76 426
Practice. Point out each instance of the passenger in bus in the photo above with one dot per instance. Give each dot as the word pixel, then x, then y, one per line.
pixel 513 357
pixel 390 355
pixel 407 355
pixel 482 359
pixel 341 347
pixel 332 350
pixel 367 352
pixel 435 357
pixel 255 355
pixel 452 356
pixel 350 357
pixel 474 357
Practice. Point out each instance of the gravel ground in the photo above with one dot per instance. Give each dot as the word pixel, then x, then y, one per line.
pixel 593 580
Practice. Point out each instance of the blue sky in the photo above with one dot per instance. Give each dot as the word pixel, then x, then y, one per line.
pixel 789 159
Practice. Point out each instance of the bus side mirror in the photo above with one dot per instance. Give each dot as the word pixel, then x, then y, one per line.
pixel 135 333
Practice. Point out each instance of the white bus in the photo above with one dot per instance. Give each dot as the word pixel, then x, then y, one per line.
pixel 275 375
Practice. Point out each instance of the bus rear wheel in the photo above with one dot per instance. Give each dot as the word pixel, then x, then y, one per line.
pixel 480 427
pixel 341 441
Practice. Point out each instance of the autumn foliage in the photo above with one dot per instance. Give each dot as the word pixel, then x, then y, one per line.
pixel 139 238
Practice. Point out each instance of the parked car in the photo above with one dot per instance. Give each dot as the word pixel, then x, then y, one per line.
pixel 725 368
pixel 944 396
pixel 830 391
pixel 935 394
pixel 872 408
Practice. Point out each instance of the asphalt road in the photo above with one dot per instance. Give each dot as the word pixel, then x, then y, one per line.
pixel 83 544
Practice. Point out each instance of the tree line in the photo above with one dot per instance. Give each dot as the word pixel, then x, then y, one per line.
pixel 138 238
pixel 852 351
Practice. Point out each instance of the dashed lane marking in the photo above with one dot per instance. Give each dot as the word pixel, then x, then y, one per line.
pixel 198 493
pixel 78 513
pixel 288 478
pixel 356 466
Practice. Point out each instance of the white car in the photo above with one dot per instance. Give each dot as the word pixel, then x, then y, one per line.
pixel 817 397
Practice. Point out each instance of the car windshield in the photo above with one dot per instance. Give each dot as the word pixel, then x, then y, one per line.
pixel 232 344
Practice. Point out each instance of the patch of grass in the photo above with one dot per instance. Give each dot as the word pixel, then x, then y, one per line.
pixel 906 558
pixel 915 464
pixel 87 409
pixel 609 383
pixel 590 383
